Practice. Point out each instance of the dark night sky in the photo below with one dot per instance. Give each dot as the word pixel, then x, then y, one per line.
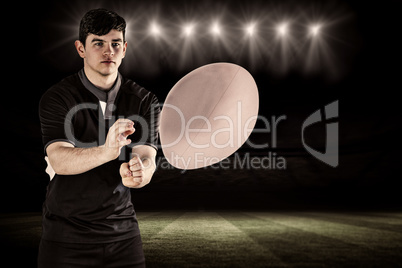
pixel 363 40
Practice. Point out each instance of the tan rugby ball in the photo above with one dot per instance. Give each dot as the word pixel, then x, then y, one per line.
pixel 208 115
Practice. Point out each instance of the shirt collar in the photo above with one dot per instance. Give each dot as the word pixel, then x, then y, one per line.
pixel 105 96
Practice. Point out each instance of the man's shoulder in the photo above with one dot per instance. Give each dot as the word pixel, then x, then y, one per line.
pixel 67 84
pixel 62 93
pixel 65 88
pixel 132 88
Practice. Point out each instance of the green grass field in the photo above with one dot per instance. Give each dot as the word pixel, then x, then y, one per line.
pixel 242 239
pixel 263 239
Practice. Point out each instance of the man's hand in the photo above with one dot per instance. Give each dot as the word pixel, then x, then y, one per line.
pixel 139 170
pixel 132 173
pixel 117 138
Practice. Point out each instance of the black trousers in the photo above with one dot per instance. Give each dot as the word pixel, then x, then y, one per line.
pixel 122 254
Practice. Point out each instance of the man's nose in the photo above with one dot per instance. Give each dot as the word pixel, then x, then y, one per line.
pixel 108 50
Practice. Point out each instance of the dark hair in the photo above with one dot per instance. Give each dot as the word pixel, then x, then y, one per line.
pixel 100 22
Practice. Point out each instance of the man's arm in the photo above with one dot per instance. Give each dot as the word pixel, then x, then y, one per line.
pixel 139 170
pixel 65 159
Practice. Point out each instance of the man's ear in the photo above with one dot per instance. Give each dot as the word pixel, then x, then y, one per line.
pixel 80 48
pixel 124 49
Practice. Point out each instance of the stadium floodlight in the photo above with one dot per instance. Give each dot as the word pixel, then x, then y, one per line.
pixel 250 29
pixel 155 29
pixel 188 29
pixel 282 29
pixel 215 29
pixel 315 29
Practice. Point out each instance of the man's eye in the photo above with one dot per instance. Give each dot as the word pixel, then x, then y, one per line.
pixel 99 44
pixel 115 44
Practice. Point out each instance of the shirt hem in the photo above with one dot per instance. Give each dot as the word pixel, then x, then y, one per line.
pixel 78 241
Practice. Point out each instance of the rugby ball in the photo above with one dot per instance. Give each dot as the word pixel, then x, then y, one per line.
pixel 208 115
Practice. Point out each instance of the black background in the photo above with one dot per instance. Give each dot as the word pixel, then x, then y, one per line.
pixel 38 52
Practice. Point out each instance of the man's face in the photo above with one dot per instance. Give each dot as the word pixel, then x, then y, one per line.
pixel 103 54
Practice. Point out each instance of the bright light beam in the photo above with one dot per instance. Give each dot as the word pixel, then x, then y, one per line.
pixel 315 29
pixel 216 29
pixel 250 29
pixel 188 29
pixel 155 29
pixel 282 29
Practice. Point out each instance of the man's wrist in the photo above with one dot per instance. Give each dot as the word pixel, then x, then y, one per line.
pixel 104 154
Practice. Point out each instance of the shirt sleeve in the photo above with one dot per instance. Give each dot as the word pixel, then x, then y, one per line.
pixel 151 116
pixel 52 114
pixel 146 123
